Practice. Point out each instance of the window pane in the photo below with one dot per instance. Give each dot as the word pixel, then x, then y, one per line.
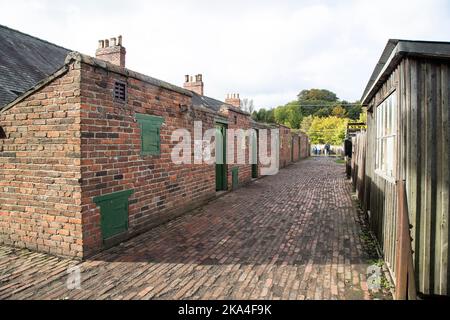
pixel 378 122
pixel 385 133
pixel 389 122
pixel 390 156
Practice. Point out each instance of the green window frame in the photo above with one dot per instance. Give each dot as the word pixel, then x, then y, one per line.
pixel 150 134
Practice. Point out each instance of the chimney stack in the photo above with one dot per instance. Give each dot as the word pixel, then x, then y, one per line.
pixel 195 85
pixel 233 99
pixel 111 50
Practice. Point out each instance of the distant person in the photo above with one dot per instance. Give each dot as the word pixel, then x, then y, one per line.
pixel 327 149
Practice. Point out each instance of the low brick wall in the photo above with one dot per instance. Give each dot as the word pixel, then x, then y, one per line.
pixel 296 146
pixel 285 146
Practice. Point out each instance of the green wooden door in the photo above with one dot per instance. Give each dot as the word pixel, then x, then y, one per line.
pixel 221 151
pixel 113 213
pixel 235 178
pixel 255 154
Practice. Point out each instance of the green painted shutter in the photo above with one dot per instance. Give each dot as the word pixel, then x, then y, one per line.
pixel 150 134
pixel 150 139
pixel 113 213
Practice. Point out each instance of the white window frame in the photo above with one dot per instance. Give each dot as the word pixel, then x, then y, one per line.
pixel 386 137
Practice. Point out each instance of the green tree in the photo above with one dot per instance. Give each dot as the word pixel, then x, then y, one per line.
pixel 264 115
pixel 323 112
pixel 317 95
pixel 270 116
pixel 306 123
pixel 363 116
pixel 327 130
pixel 289 115
pixel 339 112
pixel 294 115
pixel 281 115
pixel 354 111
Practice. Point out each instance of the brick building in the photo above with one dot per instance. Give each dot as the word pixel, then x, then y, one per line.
pixel 85 149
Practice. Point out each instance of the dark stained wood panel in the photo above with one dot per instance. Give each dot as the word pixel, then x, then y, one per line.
pixel 422 158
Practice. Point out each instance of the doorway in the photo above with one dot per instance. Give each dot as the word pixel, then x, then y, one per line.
pixel 255 140
pixel 221 155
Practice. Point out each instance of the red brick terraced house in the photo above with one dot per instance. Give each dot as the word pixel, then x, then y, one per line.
pixel 85 147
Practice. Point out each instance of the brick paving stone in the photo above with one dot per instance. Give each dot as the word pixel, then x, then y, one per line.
pixel 291 236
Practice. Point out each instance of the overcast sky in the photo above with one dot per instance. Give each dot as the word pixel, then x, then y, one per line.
pixel 265 50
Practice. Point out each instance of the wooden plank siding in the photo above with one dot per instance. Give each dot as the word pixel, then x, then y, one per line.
pixel 422 160
pixel 359 166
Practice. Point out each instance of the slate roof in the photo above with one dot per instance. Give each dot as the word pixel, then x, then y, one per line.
pixel 210 103
pixel 24 61
pixel 213 104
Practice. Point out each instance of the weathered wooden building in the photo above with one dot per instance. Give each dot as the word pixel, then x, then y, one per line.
pixel 408 145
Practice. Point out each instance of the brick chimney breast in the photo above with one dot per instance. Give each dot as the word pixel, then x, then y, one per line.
pixel 111 50
pixel 233 99
pixel 194 84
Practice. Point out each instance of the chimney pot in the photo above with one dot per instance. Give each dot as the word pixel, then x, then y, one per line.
pixel 111 50
pixel 233 99
pixel 196 86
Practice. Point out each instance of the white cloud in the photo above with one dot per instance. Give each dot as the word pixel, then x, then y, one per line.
pixel 265 50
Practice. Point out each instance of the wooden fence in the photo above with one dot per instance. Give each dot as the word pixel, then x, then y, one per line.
pixel 358 165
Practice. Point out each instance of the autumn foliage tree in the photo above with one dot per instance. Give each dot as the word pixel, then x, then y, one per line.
pixel 318 112
pixel 327 130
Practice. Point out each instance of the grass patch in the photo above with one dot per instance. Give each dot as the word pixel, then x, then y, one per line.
pixel 340 161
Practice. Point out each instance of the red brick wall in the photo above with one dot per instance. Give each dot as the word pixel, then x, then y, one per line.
pixel 269 150
pixel 40 195
pixel 296 145
pixel 304 146
pixel 285 146
pixel 111 154
pixel 237 120
pixel 70 142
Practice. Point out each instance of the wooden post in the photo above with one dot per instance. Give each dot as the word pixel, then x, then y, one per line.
pixel 405 287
